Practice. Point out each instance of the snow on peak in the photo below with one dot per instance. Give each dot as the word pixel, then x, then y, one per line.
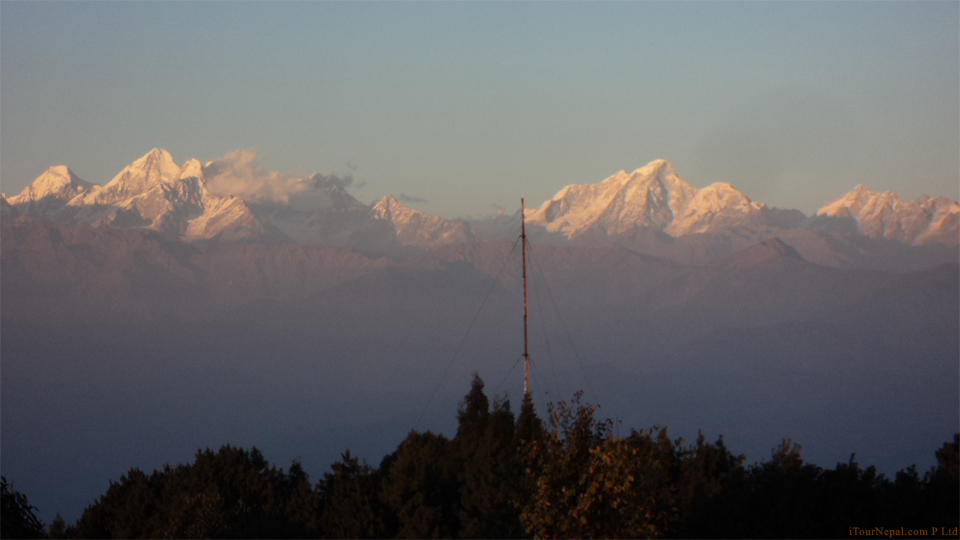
pixel 654 196
pixel 717 207
pixel 416 228
pixel 856 199
pixel 57 183
pixel 156 167
pixel 927 220
pixel 153 192
pixel 389 205
pixel 192 169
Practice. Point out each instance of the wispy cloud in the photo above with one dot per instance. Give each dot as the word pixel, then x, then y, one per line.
pixel 404 198
pixel 319 181
pixel 241 173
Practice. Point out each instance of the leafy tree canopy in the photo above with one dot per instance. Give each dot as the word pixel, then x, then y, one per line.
pixel 503 476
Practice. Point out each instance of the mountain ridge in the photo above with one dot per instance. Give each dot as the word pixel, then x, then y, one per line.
pixel 154 192
pixel 654 197
pixel 50 191
pixel 421 229
pixel 927 220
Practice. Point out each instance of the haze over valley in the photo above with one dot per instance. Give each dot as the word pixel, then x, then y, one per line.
pixel 161 312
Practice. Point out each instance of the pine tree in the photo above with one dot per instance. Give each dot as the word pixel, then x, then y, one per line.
pixel 490 469
pixel 529 425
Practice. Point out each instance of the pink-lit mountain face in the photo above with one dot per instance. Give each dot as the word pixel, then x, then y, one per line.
pixel 156 193
pixel 652 206
pixel 153 193
pixel 652 197
pixel 651 213
pixel 420 229
pixel 656 198
pixel 49 192
pixel 927 220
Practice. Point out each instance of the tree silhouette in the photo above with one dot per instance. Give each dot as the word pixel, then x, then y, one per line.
pixel 529 425
pixel 507 477
pixel 422 487
pixel 351 497
pixel 488 465
pixel 17 519
pixel 228 493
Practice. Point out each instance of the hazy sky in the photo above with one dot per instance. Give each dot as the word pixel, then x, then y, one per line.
pixel 470 106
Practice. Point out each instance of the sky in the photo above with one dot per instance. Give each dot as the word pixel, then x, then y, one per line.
pixel 463 108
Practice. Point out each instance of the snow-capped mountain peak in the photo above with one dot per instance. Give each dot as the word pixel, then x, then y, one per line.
pixel 157 166
pixel 164 196
pixel 927 220
pixel 153 192
pixel 50 192
pixel 191 169
pixel 58 182
pixel 388 206
pixel 654 197
pixel 416 228
pixel 857 199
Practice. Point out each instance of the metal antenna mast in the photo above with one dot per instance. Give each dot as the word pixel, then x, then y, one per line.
pixel 526 327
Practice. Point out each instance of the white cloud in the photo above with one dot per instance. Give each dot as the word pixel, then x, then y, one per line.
pixel 241 173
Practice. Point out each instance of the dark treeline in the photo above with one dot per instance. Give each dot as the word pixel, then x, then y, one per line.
pixel 504 476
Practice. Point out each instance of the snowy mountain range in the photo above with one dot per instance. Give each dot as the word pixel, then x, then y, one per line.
pixel 156 193
pixel 927 220
pixel 50 191
pixel 152 193
pixel 417 228
pixel 653 197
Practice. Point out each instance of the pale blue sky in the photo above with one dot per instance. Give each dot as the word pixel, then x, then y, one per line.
pixel 474 105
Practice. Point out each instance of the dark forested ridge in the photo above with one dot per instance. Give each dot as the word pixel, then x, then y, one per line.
pixel 509 476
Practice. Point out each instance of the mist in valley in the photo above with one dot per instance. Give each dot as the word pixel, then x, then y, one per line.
pixel 758 346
